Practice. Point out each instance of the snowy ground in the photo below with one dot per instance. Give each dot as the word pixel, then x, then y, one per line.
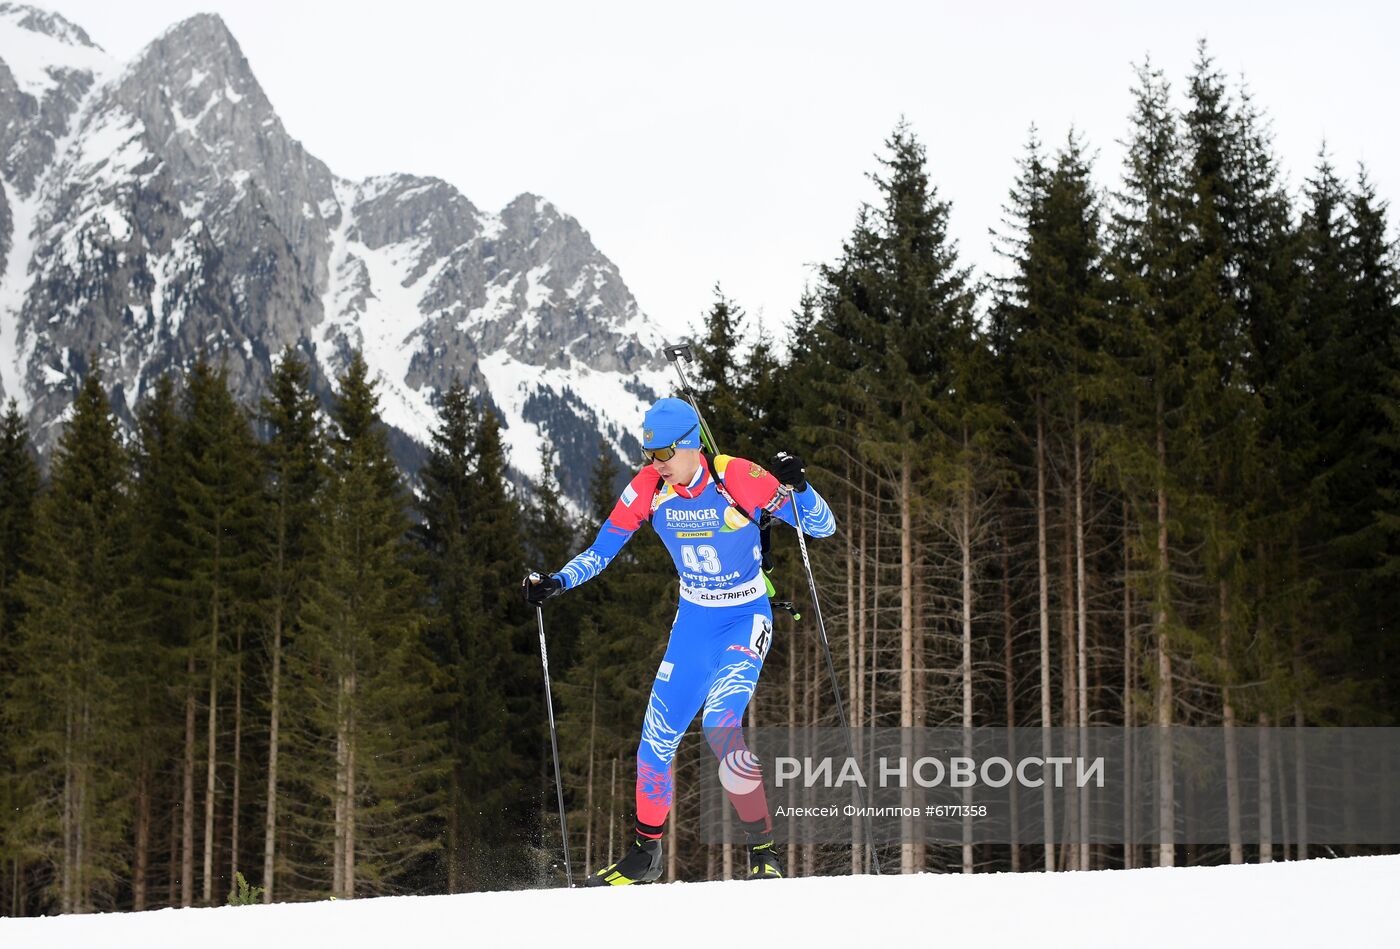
pixel 1331 903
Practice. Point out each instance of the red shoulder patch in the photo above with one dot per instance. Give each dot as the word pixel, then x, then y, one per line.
pixel 752 492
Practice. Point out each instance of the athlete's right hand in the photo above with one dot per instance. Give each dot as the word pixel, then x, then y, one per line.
pixel 539 587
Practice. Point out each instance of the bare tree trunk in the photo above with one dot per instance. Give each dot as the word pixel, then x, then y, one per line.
pixel 858 709
pixel 455 847
pixel 350 793
pixel 187 827
pixel 1069 853
pixel 1266 797
pixel 965 542
pixel 852 667
pixel 916 793
pixel 1232 755
pixel 237 752
pixel 1300 784
pixel 273 746
pixel 792 753
pixel 1043 570
pixel 588 798
pixel 80 875
pixel 172 891
pixel 1166 850
pixel 1082 609
pixel 1281 784
pixel 727 836
pixel 612 817
pixel 1129 715
pixel 1349 829
pixel 809 850
pixel 341 756
pixel 143 837
pixel 212 751
pixel 1008 634
pixel 874 669
pixel 68 869
pixel 906 655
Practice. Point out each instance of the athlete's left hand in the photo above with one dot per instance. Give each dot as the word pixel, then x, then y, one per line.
pixel 790 470
pixel 539 587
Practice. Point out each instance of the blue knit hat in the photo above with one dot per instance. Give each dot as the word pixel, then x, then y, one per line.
pixel 671 421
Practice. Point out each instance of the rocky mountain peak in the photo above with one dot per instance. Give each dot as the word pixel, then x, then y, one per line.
pixel 394 208
pixel 181 219
pixel 47 24
pixel 47 65
pixel 195 61
pixel 204 112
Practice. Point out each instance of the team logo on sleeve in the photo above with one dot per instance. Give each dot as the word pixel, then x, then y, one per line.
pixel 629 494
pixel 755 471
pixel 734 519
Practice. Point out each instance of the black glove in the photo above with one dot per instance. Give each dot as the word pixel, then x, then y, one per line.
pixel 539 587
pixel 790 470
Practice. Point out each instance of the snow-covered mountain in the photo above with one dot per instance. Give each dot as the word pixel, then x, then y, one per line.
pixel 153 210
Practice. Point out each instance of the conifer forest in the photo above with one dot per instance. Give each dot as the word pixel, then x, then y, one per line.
pixel 1147 475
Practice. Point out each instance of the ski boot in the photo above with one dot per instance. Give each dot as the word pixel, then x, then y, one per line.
pixel 763 861
pixel 641 864
pixel 763 857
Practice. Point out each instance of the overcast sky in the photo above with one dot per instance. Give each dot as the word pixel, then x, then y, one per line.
pixel 729 142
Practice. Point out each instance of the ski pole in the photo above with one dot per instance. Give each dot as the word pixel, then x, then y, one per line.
pixel 554 744
pixel 831 669
pixel 675 354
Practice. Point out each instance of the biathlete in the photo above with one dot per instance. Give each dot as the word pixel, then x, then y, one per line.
pixel 706 511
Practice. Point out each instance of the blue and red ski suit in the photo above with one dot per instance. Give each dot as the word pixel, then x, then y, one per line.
pixel 723 625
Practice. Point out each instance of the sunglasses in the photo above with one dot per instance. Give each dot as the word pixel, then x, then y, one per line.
pixel 667 453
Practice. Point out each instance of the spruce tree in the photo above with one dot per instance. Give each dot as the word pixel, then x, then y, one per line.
pixel 219 497
pixel 365 669
pixel 718 376
pixel 1373 314
pixel 294 479
pixel 1328 344
pixel 1343 375
pixel 1387 569
pixel 67 709
pixel 1156 366
pixel 1272 484
pixel 894 308
pixel 158 619
pixel 470 650
pixel 19 492
pixel 504 626
pixel 1048 329
pixel 1209 211
pixel 1373 272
